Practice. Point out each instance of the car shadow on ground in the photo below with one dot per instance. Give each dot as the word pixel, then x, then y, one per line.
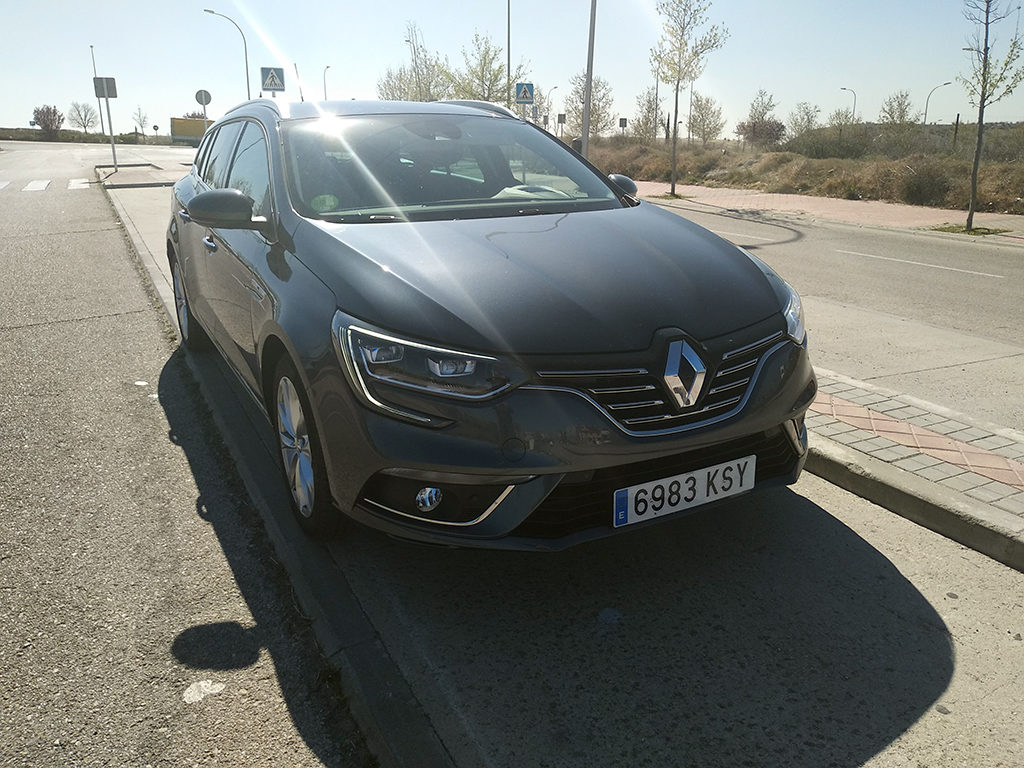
pixel 762 633
pixel 314 704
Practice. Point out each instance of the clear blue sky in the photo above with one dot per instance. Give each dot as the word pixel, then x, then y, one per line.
pixel 161 53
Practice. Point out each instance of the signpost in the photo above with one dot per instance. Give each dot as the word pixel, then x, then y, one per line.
pixel 106 89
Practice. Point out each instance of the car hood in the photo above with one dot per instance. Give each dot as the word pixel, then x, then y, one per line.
pixel 583 282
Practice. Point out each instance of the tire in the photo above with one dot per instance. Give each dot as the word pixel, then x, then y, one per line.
pixel 193 335
pixel 300 454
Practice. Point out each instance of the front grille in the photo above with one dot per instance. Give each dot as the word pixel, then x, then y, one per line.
pixel 640 402
pixel 574 507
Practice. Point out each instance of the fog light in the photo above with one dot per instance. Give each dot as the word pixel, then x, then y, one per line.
pixel 428 499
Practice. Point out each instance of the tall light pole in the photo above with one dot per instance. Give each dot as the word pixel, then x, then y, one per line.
pixel 508 54
pixel 98 107
pixel 416 66
pixel 854 120
pixel 588 86
pixel 325 81
pixel 245 49
pixel 924 121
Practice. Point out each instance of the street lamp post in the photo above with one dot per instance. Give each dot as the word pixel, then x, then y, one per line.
pixel 98 107
pixel 245 49
pixel 854 102
pixel 508 54
pixel 924 121
pixel 325 81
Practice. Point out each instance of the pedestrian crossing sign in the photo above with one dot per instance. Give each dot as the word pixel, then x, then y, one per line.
pixel 272 78
pixel 524 93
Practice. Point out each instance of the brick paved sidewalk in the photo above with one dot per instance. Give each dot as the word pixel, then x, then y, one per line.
pixel 962 478
pixel 865 212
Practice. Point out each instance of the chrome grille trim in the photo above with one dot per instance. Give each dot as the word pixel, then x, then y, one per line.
pixel 620 372
pixel 658 424
pixel 753 345
pixel 641 404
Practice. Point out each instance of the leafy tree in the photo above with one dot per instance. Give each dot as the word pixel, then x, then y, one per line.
pixel 761 128
pixel 681 53
pixel 991 79
pixel 706 121
pixel 602 117
pixel 897 109
pixel 483 75
pixel 648 119
pixel 82 115
pixel 49 119
pixel 803 119
pixel 425 79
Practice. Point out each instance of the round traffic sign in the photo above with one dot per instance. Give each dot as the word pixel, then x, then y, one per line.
pixel 203 97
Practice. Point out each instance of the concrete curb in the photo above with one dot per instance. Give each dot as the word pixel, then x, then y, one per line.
pixel 979 526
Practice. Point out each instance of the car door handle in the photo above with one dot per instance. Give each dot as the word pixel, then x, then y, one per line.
pixel 210 245
pixel 183 215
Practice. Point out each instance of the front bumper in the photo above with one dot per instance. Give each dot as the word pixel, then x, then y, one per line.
pixel 537 469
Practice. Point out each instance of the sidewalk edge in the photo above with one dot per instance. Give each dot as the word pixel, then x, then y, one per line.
pixel 979 526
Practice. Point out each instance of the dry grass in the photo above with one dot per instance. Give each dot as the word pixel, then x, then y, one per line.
pixel 937 179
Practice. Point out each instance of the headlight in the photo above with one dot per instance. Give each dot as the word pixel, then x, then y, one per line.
pixel 378 361
pixel 792 307
pixel 794 314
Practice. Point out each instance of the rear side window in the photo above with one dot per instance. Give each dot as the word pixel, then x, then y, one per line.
pixel 250 172
pixel 219 159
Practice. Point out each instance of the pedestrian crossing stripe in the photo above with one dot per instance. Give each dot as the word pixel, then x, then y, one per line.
pixel 4 184
pixel 36 185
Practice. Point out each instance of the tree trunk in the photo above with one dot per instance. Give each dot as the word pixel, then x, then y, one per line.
pixel 675 137
pixel 972 206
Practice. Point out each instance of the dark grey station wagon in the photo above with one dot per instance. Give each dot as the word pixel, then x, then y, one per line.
pixel 463 333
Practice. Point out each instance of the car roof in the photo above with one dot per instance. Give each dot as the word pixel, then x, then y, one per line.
pixel 298 110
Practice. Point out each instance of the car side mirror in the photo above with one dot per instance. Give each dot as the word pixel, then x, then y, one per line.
pixel 225 209
pixel 624 183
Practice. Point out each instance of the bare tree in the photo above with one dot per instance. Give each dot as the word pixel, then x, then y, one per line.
pixel 682 51
pixel 839 118
pixel 706 121
pixel 991 79
pixel 82 116
pixel 49 119
pixel 803 119
pixel 897 109
pixel 141 120
pixel 602 118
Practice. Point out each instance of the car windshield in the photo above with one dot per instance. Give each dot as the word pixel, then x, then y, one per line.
pixel 413 167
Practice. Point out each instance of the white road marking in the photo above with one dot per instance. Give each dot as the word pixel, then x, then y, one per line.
pixel 748 237
pixel 4 184
pixel 36 186
pixel 923 264
pixel 78 184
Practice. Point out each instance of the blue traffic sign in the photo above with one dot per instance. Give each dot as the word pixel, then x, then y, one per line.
pixel 272 78
pixel 524 93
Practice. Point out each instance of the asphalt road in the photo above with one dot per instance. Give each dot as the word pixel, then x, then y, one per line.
pixel 144 619
pixel 801 627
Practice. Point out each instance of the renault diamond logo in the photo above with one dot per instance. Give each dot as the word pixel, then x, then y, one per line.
pixel 684 373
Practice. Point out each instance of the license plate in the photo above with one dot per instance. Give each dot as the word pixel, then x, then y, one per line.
pixel 691 489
